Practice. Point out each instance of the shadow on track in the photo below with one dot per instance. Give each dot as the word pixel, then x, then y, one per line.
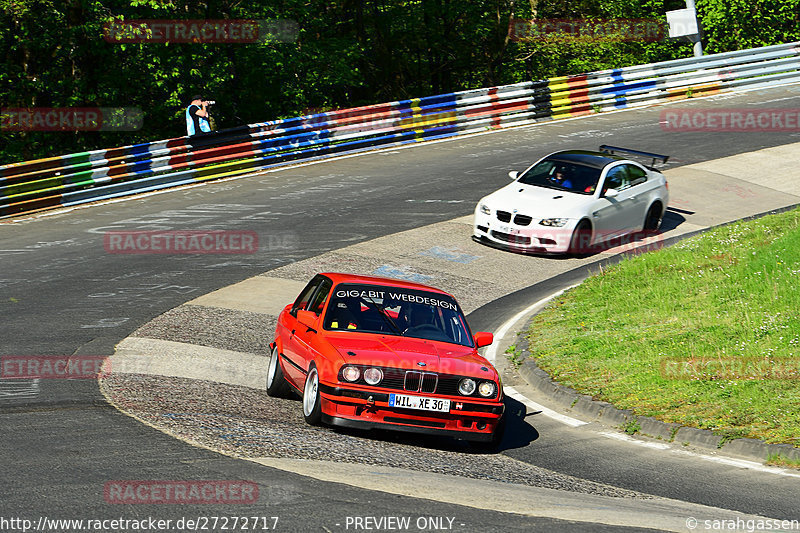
pixel 519 432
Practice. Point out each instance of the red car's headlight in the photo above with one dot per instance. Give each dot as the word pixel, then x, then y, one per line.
pixel 466 386
pixel 486 389
pixel 351 373
pixel 373 376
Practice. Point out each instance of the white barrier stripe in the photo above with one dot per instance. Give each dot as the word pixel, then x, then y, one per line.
pixel 377 124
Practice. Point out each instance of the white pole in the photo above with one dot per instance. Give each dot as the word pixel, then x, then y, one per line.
pixel 698 45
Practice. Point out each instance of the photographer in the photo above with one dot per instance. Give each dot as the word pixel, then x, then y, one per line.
pixel 197 117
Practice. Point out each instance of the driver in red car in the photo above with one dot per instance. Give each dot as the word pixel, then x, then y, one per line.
pixel 346 315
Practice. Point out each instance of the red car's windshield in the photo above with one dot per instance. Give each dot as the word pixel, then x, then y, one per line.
pixel 397 311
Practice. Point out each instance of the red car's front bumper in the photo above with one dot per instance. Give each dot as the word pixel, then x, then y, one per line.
pixel 468 419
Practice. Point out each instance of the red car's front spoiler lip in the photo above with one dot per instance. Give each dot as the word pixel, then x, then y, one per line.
pixel 370 410
pixel 359 423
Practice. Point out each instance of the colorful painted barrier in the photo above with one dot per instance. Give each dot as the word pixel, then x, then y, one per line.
pixel 101 174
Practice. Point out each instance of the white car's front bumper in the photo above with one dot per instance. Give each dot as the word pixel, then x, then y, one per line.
pixel 532 237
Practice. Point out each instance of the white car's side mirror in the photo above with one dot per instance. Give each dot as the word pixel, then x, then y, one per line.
pixel 611 193
pixel 513 174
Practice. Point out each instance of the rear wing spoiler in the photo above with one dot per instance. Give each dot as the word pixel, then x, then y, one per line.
pixel 655 157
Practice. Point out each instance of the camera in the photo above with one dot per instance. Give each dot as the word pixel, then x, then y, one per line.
pixel 210 102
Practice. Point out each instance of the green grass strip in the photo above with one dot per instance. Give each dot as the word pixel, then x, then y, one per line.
pixel 722 308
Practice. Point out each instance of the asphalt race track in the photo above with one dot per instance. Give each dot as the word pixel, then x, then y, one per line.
pixel 63 294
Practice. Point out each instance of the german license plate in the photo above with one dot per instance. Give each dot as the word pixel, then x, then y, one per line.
pixel 420 403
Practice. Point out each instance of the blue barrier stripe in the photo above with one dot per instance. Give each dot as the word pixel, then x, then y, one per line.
pixel 140 149
pixel 245 148
pixel 317 140
pixel 145 149
pixel 625 88
pixel 147 184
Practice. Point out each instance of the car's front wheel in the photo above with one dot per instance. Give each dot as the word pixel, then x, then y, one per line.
pixel 580 242
pixel 312 408
pixel 276 382
pixel 652 221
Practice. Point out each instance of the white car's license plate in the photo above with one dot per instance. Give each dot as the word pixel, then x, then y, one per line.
pixel 418 402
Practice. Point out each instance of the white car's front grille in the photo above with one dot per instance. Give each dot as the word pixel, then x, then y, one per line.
pixel 520 220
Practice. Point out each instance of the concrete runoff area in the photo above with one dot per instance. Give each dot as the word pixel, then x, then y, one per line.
pixel 443 255
pixel 261 294
pixel 658 513
pixel 771 168
pixel 136 355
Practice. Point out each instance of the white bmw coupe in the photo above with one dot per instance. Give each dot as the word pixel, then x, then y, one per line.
pixel 574 200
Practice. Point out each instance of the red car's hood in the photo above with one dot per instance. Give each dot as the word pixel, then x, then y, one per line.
pixel 408 353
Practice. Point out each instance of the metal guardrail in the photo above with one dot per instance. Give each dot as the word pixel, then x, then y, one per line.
pixel 101 174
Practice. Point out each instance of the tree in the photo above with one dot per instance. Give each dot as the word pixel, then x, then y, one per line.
pixel 347 53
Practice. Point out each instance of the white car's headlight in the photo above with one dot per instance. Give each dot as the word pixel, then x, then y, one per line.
pixel 554 222
pixel 485 209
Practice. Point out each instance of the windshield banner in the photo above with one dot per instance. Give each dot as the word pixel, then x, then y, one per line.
pixel 396 295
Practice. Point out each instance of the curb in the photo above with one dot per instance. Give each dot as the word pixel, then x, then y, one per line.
pixel 603 412
pixel 606 413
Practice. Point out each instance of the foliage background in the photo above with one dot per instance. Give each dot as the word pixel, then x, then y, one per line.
pixel 348 53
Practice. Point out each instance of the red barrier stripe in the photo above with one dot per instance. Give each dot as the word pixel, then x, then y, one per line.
pixel 578 91
pixel 31 205
pixel 493 100
pixel 513 105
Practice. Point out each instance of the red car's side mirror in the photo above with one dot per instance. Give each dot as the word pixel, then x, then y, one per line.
pixel 308 319
pixel 483 338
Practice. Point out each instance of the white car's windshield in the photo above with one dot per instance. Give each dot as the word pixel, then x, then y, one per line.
pixel 397 311
pixel 562 176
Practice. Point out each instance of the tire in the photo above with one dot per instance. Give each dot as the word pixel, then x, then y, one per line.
pixel 493 445
pixel 312 405
pixel 277 387
pixel 652 221
pixel 579 243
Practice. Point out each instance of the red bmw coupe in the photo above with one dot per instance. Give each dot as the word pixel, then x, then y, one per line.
pixel 369 352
